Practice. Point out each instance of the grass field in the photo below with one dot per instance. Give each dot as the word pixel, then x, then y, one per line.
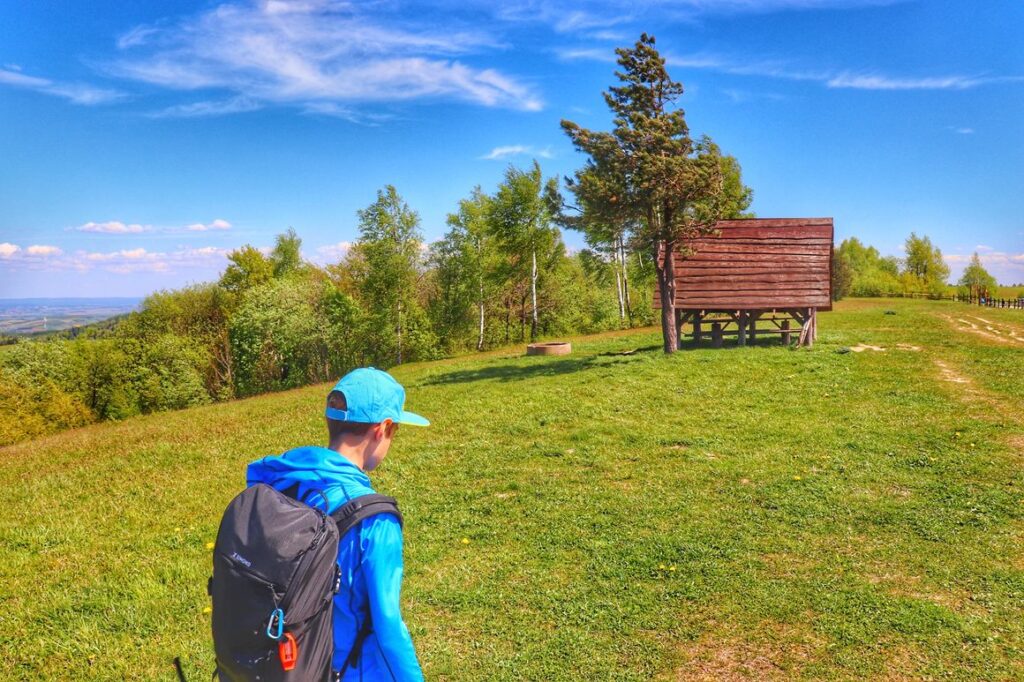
pixel 743 513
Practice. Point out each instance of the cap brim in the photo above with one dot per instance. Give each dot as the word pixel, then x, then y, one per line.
pixel 412 419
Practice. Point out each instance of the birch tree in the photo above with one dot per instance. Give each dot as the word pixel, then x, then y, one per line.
pixel 520 220
pixel 390 247
pixel 464 262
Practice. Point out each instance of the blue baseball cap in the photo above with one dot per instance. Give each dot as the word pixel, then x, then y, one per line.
pixel 372 396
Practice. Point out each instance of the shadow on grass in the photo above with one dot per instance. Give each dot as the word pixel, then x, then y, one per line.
pixel 539 368
pixel 729 343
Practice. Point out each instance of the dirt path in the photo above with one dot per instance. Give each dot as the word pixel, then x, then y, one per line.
pixel 1000 332
pixel 975 396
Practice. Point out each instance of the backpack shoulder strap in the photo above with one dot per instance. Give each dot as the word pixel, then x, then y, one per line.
pixel 348 515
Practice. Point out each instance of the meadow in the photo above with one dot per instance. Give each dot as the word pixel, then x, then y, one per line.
pixel 740 513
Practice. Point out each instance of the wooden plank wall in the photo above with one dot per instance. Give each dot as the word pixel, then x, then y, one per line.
pixel 758 264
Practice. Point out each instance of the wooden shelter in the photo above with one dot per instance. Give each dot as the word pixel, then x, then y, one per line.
pixel 775 272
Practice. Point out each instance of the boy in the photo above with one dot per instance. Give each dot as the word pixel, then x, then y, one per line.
pixel 363 413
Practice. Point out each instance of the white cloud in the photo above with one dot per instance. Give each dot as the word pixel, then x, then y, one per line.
pixel 1006 267
pixel 573 16
pixel 123 254
pixel 205 251
pixel 771 6
pixel 118 227
pixel 882 82
pixel 332 253
pixel 594 54
pixel 964 131
pixel 614 36
pixel 137 36
pixel 335 110
pixel 43 250
pixel 783 71
pixel 78 93
pixel 310 53
pixel 234 105
pixel 113 227
pixel 218 224
pixel 507 151
pixel 575 20
pixel 123 261
pixel 740 96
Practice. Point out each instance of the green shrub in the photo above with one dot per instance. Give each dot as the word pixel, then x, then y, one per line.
pixel 29 412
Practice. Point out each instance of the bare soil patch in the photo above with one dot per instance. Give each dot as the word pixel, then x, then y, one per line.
pixel 949 374
pixel 722 654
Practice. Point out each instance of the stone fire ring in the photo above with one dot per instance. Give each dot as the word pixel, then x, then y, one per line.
pixel 549 348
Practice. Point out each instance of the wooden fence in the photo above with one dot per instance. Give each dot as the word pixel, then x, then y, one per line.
pixel 990 302
pixel 1017 303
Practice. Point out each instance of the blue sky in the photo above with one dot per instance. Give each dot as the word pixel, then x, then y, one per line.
pixel 142 141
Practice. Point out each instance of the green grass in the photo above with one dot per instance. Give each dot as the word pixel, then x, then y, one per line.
pixel 738 513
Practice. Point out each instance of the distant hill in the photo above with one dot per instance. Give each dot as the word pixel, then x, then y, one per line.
pixel 30 316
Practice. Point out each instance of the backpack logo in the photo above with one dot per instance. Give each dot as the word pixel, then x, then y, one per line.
pixel 241 559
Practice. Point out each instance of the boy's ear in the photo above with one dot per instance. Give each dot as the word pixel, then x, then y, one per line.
pixel 383 429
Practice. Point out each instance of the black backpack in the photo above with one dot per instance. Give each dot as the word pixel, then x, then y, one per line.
pixel 275 574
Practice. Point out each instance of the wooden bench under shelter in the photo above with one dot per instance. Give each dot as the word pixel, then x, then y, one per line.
pixel 776 272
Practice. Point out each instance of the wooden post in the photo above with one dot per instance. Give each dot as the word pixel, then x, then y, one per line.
pixel 753 327
pixel 741 337
pixel 785 332
pixel 716 334
pixel 680 317
pixel 804 317
pixel 696 327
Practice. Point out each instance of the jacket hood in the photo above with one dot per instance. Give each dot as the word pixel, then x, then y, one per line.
pixel 311 468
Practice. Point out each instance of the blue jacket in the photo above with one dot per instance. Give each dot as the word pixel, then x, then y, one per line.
pixel 369 556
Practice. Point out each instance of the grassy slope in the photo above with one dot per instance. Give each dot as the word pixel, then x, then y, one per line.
pixel 753 512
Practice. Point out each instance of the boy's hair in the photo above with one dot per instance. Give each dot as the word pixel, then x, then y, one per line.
pixel 335 428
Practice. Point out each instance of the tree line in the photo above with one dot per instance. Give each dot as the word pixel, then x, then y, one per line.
pixel 861 271
pixel 501 274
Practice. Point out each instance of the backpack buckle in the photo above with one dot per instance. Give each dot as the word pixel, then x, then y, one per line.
pixel 275 625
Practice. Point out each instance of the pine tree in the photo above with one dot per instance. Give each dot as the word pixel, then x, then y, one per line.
pixel 648 172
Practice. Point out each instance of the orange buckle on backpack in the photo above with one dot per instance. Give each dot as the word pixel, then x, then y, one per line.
pixel 288 650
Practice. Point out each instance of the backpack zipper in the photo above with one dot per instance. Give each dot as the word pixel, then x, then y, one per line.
pixel 242 568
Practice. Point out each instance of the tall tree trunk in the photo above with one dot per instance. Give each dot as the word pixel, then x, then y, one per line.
pixel 618 290
pixel 522 317
pixel 666 270
pixel 399 332
pixel 480 290
pixel 625 279
pixel 617 267
pixel 533 296
pixel 225 375
pixel 480 336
